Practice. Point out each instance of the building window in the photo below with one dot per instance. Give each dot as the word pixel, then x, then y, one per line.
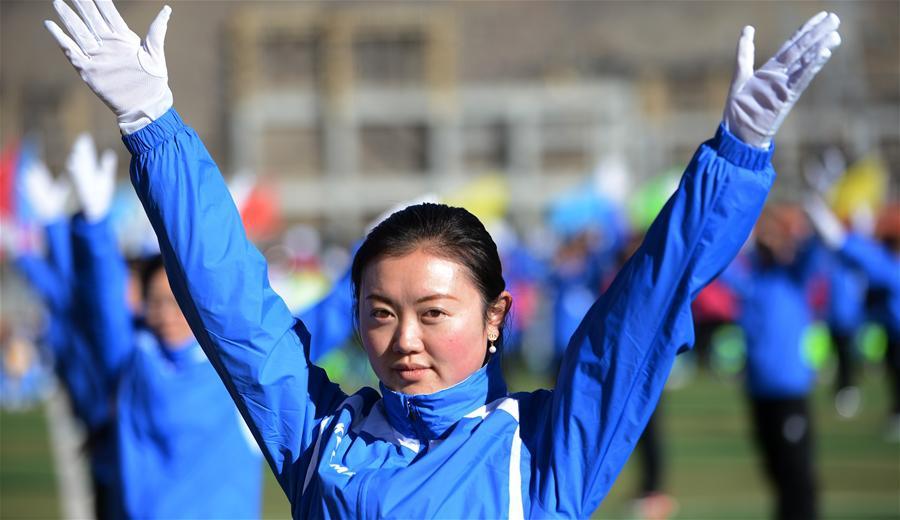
pixel 389 58
pixel 486 146
pixel 565 143
pixel 393 148
pixel 291 58
pixel 292 152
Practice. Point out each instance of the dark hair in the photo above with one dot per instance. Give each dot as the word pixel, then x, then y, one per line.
pixel 445 231
pixel 147 269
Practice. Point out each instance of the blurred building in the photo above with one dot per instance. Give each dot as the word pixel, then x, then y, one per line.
pixel 353 106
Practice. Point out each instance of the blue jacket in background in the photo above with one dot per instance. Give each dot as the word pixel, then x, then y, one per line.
pixel 847 286
pixel 182 450
pixel 333 317
pixel 51 279
pixel 471 450
pixel 882 270
pixel 775 315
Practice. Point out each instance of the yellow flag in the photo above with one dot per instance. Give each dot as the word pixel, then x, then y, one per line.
pixel 864 185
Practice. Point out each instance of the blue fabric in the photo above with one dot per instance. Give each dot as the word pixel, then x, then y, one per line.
pixel 846 296
pixel 51 278
pixel 181 449
pixel 775 316
pixel 332 318
pixel 882 270
pixel 471 450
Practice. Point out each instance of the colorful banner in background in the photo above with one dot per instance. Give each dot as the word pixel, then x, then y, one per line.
pixel 648 200
pixel 864 185
pixel 9 161
pixel 19 231
pixel 486 197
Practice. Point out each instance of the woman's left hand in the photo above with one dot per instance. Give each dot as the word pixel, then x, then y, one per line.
pixel 759 100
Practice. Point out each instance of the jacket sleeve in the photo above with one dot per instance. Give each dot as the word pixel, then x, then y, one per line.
pixel 221 283
pixel 51 277
pixel 619 358
pixel 100 308
pixel 59 251
pixel 882 269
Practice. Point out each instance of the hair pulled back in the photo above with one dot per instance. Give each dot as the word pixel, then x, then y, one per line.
pixel 445 231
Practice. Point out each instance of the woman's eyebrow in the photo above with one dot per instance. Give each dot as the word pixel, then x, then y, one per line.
pixel 379 297
pixel 430 297
pixel 436 296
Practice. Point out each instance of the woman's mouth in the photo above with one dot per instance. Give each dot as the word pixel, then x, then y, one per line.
pixel 411 372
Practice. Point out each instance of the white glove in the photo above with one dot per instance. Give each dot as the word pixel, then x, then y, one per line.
pixel 94 179
pixel 821 175
pixel 826 224
pixel 46 195
pixel 128 75
pixel 759 101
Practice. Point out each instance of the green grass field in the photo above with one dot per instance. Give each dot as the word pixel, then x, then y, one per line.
pixel 712 466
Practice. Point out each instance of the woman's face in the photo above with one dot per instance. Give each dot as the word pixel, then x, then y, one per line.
pixel 422 322
pixel 162 313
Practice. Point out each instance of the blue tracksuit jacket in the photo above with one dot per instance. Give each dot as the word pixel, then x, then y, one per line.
pixel 882 270
pixel 775 316
pixel 51 279
pixel 846 296
pixel 472 450
pixel 182 451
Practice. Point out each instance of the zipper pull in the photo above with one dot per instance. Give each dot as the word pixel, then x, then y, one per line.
pixel 411 412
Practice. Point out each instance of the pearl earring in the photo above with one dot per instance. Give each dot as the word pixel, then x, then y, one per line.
pixel 492 337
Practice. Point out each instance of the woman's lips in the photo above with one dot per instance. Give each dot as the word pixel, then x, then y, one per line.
pixel 411 372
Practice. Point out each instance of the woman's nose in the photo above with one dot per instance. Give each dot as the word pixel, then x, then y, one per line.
pixel 409 338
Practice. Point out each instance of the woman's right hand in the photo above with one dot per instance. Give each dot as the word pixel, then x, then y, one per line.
pixel 128 74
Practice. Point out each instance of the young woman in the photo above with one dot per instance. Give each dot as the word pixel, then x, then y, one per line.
pixel 443 438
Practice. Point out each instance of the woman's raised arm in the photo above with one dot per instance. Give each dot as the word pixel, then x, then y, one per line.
pixel 219 279
pixel 619 358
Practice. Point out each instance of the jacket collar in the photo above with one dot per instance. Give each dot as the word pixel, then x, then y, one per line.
pixel 429 416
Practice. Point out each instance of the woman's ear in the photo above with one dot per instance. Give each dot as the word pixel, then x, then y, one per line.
pixel 499 309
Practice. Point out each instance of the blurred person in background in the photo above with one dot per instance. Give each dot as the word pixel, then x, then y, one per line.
pixel 879 260
pixel 182 450
pixel 443 438
pixel 772 283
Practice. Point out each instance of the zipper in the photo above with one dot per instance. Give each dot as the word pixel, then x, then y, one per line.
pixel 414 419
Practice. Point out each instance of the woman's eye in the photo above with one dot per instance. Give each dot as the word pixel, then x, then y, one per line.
pixel 380 314
pixel 434 313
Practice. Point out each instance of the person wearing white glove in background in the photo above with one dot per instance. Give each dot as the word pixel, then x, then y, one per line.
pixel 879 261
pixel 168 399
pixel 443 438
